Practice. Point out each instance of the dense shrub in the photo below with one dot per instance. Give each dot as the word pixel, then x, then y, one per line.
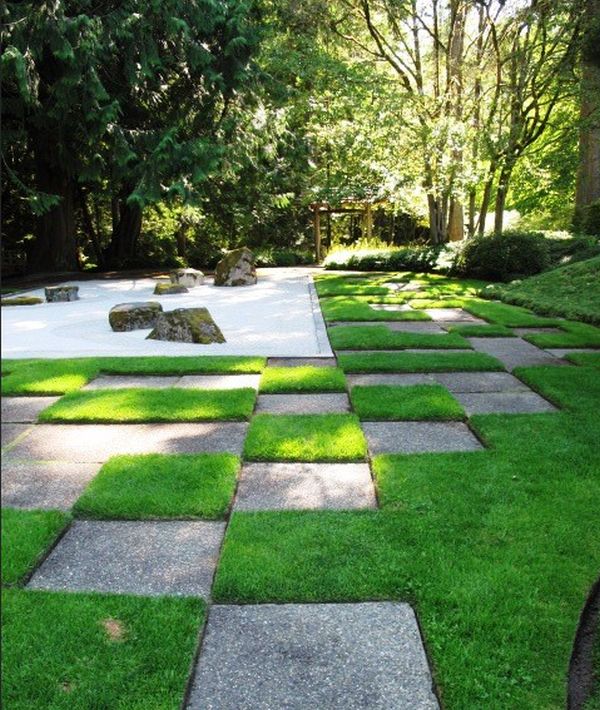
pixel 503 257
pixel 573 248
pixel 416 257
pixel 282 257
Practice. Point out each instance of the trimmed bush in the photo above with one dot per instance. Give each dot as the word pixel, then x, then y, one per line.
pixel 412 257
pixel 504 257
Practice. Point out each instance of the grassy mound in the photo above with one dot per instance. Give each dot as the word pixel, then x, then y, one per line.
pixel 571 291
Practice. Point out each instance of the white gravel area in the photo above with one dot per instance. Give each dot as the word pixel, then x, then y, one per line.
pixel 278 317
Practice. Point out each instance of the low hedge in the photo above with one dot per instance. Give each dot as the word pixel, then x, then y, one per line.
pixel 417 257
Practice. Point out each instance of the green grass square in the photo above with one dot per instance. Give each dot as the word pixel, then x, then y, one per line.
pixel 418 362
pixel 410 403
pixel 504 314
pixel 340 308
pixel 305 378
pixel 379 337
pixel 572 335
pixel 70 651
pixel 305 437
pixel 138 404
pixel 161 486
pixel 26 537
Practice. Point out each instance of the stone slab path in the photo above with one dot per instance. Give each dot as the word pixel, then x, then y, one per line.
pixel 206 382
pixel 514 352
pixel 302 403
pixel 300 486
pixel 503 403
pixel 419 437
pixel 325 656
pixel 24 409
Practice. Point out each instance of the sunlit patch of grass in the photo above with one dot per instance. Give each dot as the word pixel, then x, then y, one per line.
pixel 418 362
pixel 376 337
pixel 302 379
pixel 414 402
pixel 349 309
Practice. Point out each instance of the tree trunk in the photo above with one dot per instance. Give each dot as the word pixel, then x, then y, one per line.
pixel 501 194
pixel 456 226
pixel 181 241
pixel 55 246
pixel 124 238
pixel 89 226
pixel 588 174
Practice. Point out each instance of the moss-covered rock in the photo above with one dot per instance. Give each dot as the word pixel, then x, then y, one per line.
pixel 187 325
pixel 166 289
pixel 21 301
pixel 187 277
pixel 59 294
pixel 134 316
pixel 237 268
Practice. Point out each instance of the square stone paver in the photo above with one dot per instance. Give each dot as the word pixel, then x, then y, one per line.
pixel 480 382
pixel 390 306
pixel 503 403
pixel 45 484
pixel 403 380
pixel 400 326
pixel 312 656
pixel 457 315
pixel 531 331
pixel 12 432
pixel 514 352
pixel 24 409
pixel 98 442
pixel 125 557
pixel 302 403
pixel 219 382
pixel 124 381
pixel 301 361
pixel 418 437
pixel 294 486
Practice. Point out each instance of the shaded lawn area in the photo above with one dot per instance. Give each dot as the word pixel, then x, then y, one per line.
pixel 306 378
pixel 418 362
pixel 26 537
pixel 497 550
pixel 408 403
pixel 305 437
pixel 48 377
pixel 587 359
pixel 574 335
pixel 81 651
pixel 378 337
pixel 161 486
pixel 504 314
pixel 349 309
pixel 139 404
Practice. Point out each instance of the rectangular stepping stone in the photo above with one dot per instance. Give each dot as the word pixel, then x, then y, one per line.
pixel 514 352
pixel 114 382
pixel 531 331
pixel 406 380
pixel 124 557
pixel 24 409
pixel 563 352
pixel 504 403
pixel 418 437
pixel 458 315
pixel 12 432
pixel 302 403
pixel 480 382
pixel 219 382
pixel 390 306
pixel 45 484
pixel 400 326
pixel 301 361
pixel 295 486
pixel 98 442
pixel 321 656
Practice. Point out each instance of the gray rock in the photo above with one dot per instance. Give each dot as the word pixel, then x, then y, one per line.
pixel 134 316
pixel 61 293
pixel 168 289
pixel 237 268
pixel 312 656
pixel 187 325
pixel 187 277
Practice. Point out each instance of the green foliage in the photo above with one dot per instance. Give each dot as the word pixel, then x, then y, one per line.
pixel 505 256
pixel 414 257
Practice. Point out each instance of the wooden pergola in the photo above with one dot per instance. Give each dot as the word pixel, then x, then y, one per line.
pixel 350 205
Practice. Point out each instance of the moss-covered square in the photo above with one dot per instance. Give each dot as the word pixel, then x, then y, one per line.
pixel 411 403
pixel 281 380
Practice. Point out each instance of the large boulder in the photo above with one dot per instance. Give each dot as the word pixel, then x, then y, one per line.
pixel 187 277
pixel 237 268
pixel 61 293
pixel 187 325
pixel 167 289
pixel 134 316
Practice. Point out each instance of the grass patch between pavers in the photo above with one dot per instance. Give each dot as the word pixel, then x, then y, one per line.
pixel 26 537
pixel 586 359
pixel 496 550
pixel 408 403
pixel 468 330
pixel 379 337
pixel 510 316
pixel 78 651
pixel 573 335
pixel 161 486
pixel 418 362
pixel 61 376
pixel 449 302
pixel 306 378
pixel 138 404
pixel 349 309
pixel 305 437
